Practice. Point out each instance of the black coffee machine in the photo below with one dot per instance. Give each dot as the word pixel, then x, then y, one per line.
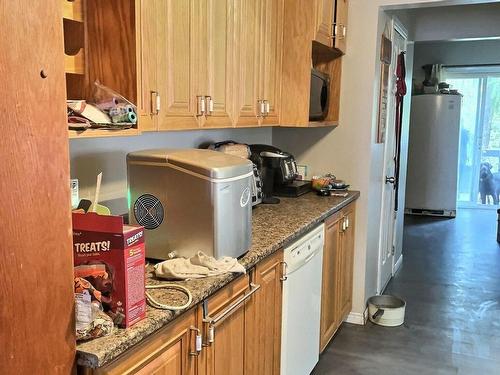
pixel 278 171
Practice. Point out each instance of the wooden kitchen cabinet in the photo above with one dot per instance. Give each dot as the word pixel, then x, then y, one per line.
pixel 147 63
pixel 338 258
pixel 263 322
pixel 100 45
pixel 340 33
pixel 171 351
pixel 271 46
pixel 302 22
pixel 259 36
pixel 331 23
pixel 177 66
pixel 346 263
pixel 247 334
pixel 329 290
pixel 324 19
pixel 224 329
pixel 216 61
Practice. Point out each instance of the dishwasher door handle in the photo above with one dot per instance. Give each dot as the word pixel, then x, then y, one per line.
pixel 310 257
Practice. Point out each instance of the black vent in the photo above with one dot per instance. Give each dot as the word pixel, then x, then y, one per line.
pixel 148 211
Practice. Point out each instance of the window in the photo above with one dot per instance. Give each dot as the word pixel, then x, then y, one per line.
pixel 479 153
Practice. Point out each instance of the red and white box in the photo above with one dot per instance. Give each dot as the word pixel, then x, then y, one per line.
pixel 111 257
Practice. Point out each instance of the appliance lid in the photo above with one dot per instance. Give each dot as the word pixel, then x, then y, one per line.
pixel 208 163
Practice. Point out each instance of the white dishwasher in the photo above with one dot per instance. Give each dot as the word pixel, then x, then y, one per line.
pixel 302 304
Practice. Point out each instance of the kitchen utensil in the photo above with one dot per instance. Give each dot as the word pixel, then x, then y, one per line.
pixel 97 192
pixel 386 310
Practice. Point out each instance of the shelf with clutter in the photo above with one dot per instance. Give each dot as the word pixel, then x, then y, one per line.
pixel 100 50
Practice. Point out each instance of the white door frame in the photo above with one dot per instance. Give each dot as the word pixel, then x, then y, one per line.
pixel 388 231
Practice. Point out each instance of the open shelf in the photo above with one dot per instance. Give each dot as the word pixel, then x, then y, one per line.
pixel 74 64
pixel 73 10
pixel 322 124
pixel 92 133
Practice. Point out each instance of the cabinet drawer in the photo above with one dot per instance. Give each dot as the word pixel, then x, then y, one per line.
pixel 169 351
pixel 227 295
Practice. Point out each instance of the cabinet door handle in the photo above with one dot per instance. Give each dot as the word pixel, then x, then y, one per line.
pixel 340 37
pixel 210 105
pixel 261 108
pixel 212 321
pixel 225 313
pixel 197 342
pixel 201 110
pixel 155 102
pixel 344 31
pixel 284 268
pixel 344 227
pixel 267 107
pixel 347 222
pixel 334 31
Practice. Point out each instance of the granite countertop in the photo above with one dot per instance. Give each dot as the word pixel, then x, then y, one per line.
pixel 273 226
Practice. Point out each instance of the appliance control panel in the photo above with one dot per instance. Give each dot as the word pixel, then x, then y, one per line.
pixel 304 249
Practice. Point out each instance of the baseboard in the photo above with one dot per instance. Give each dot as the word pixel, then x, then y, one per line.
pixel 357 318
pixel 397 265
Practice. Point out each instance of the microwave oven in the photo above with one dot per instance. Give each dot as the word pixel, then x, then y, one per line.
pixel 318 105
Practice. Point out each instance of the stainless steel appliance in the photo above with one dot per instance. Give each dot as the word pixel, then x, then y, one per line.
pixel 318 102
pixel 278 170
pixel 242 150
pixel 432 180
pixel 191 200
pixel 302 304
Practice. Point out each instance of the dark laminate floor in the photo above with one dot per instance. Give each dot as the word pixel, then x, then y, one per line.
pixel 451 281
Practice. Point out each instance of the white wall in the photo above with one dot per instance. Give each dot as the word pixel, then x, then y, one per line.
pixel 455 53
pixel 88 157
pixel 350 150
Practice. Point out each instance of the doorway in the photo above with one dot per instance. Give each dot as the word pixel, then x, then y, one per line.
pixel 479 155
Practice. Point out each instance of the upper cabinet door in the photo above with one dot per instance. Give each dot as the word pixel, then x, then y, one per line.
pixel 178 37
pixel 324 18
pixel 341 25
pixel 146 13
pixel 246 68
pixel 271 42
pixel 217 61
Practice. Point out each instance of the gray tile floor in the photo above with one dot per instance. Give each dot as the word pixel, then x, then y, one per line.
pixel 450 279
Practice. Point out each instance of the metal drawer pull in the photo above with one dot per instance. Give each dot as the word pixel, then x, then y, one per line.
pixel 213 321
pixel 198 345
pixel 267 106
pixel 347 222
pixel 201 105
pixel 210 104
pixel 284 277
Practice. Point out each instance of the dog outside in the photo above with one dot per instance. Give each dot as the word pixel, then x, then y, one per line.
pixel 489 184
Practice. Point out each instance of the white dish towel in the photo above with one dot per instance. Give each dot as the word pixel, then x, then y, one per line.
pixel 197 267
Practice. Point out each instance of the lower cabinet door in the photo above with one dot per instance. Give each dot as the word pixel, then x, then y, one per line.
pixel 263 319
pixel 346 264
pixel 224 328
pixel 171 351
pixel 330 310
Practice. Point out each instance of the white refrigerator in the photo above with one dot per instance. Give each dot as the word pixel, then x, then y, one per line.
pixel 431 181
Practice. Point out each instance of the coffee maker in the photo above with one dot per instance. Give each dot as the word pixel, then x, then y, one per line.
pixel 278 171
